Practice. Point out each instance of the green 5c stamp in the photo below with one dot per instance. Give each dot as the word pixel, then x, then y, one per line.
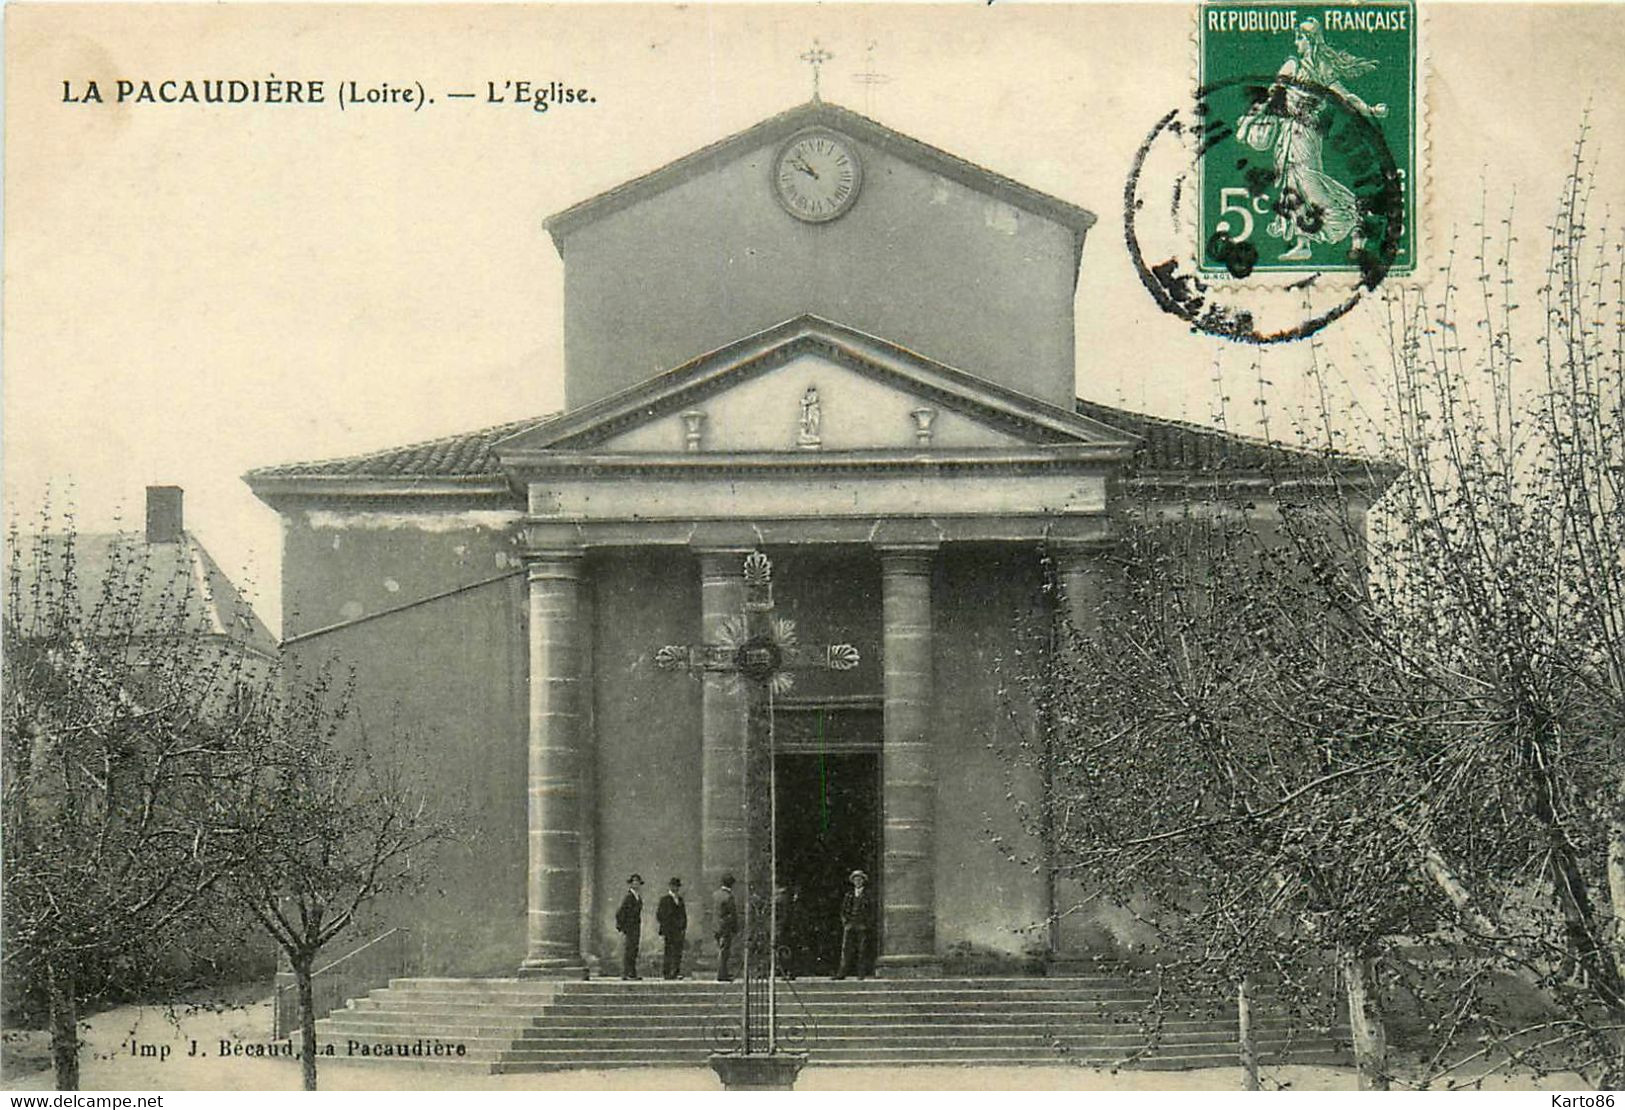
pixel 1307 160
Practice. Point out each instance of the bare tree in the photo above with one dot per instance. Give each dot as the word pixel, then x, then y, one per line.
pixel 1200 783
pixel 317 826
pixel 1419 724
pixel 110 739
pixel 1496 600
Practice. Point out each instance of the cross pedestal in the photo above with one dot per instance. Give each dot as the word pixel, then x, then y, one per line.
pixel 768 1071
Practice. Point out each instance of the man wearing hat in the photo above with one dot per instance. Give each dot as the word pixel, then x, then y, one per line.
pixel 858 929
pixel 725 916
pixel 672 918
pixel 629 920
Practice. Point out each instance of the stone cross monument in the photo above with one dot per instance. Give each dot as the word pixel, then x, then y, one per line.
pixel 759 653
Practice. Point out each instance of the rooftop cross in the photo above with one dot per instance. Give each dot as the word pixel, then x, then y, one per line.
pixel 870 77
pixel 816 57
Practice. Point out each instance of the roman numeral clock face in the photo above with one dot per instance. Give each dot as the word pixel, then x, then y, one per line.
pixel 817 175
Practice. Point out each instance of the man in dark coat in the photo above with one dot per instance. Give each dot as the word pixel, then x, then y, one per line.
pixel 725 916
pixel 858 929
pixel 672 918
pixel 629 920
pixel 784 926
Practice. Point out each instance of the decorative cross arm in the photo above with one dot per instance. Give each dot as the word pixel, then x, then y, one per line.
pixel 757 646
pixel 756 661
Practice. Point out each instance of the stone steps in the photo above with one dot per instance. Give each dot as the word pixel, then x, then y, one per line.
pixel 893 1033
pixel 886 1008
pixel 825 1043
pixel 646 1031
pixel 871 982
pixel 520 1025
pixel 864 997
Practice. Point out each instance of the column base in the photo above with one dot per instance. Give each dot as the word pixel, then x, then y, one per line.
pixel 553 969
pixel 758 1071
pixel 909 967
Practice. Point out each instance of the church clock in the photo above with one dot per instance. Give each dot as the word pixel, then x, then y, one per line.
pixel 817 175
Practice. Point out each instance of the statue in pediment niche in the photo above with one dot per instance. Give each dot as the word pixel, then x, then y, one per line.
pixel 812 418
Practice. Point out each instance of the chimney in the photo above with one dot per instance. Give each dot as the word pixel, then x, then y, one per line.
pixel 164 521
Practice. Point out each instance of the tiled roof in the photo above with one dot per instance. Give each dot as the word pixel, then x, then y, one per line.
pixel 460 456
pixel 1168 446
pixel 174 580
pixel 1180 447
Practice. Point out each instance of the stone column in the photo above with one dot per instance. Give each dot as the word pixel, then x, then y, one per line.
pixel 722 746
pixel 591 812
pixel 553 930
pixel 1080 575
pixel 1079 571
pixel 908 773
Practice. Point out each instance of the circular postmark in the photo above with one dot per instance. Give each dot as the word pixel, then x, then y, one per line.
pixel 1307 166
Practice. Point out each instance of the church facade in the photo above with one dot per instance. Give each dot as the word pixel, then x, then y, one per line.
pixel 818 338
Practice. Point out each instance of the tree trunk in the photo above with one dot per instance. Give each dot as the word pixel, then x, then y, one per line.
pixel 1585 937
pixel 1613 1070
pixel 1437 868
pixel 1244 1035
pixel 1365 1021
pixel 307 1020
pixel 1616 888
pixel 1588 946
pixel 64 1008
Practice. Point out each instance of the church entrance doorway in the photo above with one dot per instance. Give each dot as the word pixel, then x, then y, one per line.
pixel 827 781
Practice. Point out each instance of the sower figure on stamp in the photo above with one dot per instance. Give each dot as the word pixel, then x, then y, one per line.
pixel 1313 206
pixel 629 920
pixel 726 916
pixel 671 916
pixel 858 929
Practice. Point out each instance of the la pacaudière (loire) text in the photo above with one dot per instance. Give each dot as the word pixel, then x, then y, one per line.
pixel 539 95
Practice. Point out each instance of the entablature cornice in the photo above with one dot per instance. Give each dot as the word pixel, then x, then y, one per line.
pixel 1258 495
pixel 1353 480
pixel 308 491
pixel 873 532
pixel 540 465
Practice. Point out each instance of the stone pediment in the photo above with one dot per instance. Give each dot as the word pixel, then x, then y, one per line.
pixel 811 386
pixel 819 113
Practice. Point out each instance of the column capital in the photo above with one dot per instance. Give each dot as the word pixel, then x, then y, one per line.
pixel 722 565
pixel 907 558
pixel 553 563
pixel 1077 553
pixel 905 532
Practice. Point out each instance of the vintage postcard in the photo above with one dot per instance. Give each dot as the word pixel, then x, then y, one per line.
pixel 694 547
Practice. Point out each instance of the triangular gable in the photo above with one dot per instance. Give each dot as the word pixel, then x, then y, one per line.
pixel 813 113
pixel 878 385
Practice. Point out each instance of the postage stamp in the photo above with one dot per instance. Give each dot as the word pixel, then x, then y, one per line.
pixel 1308 159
